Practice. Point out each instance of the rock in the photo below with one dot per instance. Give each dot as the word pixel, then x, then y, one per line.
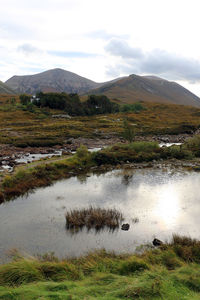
pixel 125 226
pixel 157 242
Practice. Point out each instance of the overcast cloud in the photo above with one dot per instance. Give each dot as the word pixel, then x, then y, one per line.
pixel 103 39
pixel 156 61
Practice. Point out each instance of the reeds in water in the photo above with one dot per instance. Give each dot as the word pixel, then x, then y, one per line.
pixel 91 217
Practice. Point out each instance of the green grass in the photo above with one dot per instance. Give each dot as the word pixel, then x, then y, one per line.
pixel 155 274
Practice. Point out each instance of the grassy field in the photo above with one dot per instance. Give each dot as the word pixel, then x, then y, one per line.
pixel 36 127
pixel 169 272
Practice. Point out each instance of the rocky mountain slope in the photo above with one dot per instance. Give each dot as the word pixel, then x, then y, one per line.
pixel 148 88
pixel 126 89
pixel 55 80
pixel 6 90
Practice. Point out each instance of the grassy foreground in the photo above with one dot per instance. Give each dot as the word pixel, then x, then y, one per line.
pixel 171 272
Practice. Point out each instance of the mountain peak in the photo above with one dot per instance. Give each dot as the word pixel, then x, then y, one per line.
pixel 148 88
pixel 54 80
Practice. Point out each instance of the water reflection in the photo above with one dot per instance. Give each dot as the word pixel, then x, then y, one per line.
pixel 127 179
pixel 168 204
pixel 96 230
pixel 163 202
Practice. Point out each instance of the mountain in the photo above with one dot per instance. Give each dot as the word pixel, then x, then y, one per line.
pixel 126 89
pixel 147 88
pixel 6 90
pixel 55 80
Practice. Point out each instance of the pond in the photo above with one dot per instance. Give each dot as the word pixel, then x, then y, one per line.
pixel 156 203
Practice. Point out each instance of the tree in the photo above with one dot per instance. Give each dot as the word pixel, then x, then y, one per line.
pixel 128 132
pixel 25 99
pixel 12 101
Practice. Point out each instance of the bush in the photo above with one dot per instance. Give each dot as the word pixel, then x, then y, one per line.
pixel 135 107
pixel 144 146
pixel 193 144
pixel 103 158
pixel 178 152
pixel 25 99
pixel 128 132
pixel 82 152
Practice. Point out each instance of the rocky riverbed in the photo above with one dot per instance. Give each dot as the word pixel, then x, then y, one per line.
pixel 11 156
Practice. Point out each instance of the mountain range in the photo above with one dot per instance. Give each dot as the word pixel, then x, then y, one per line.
pixel 5 89
pixel 128 89
pixel 148 88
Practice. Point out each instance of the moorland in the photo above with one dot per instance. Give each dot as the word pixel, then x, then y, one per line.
pixel 132 133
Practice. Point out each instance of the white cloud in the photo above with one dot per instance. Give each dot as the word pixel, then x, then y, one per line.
pixel 28 49
pixel 31 32
pixel 156 61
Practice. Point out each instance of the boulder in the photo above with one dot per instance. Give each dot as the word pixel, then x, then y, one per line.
pixel 157 242
pixel 125 227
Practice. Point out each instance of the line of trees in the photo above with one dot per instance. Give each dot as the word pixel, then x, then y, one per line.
pixel 71 104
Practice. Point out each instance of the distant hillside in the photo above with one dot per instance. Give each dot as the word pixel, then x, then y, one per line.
pixel 55 80
pixel 6 90
pixel 148 88
pixel 127 89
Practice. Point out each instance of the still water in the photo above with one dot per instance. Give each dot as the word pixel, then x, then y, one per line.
pixel 162 201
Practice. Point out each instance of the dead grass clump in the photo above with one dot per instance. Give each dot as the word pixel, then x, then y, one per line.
pixel 91 217
pixel 186 248
pixel 184 240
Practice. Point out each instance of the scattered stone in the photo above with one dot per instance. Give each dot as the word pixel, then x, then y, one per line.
pixel 125 226
pixel 157 242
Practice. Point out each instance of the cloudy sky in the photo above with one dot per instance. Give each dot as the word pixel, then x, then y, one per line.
pixel 102 39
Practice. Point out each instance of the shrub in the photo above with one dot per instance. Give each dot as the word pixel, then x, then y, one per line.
pixel 144 146
pixel 132 266
pixel 135 107
pixel 128 132
pixel 82 152
pixel 25 99
pixel 193 144
pixel 104 157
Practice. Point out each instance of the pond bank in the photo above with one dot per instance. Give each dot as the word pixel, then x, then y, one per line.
pixel 170 272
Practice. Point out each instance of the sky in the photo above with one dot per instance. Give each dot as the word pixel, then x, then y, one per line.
pixel 102 39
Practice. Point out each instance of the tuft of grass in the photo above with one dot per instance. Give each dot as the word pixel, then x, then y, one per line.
pixel 97 218
pixel 132 266
pixel 20 272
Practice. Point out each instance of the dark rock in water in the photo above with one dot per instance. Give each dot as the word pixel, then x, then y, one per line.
pixel 157 242
pixel 125 226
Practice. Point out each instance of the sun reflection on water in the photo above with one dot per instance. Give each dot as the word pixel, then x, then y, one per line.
pixel 168 205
